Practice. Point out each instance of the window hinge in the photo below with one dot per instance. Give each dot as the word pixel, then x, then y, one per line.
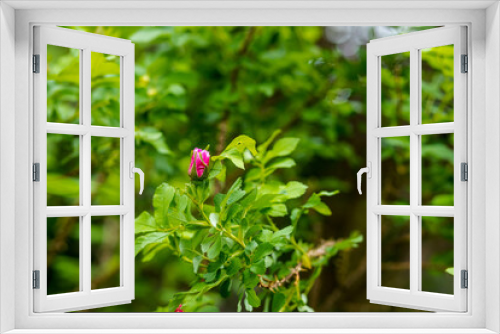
pixel 36 63
pixel 36 279
pixel 465 64
pixel 36 172
pixel 465 279
pixel 464 172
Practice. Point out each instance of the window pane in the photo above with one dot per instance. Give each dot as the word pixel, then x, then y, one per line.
pixel 395 239
pixel 105 158
pixel 63 84
pixel 437 254
pixel 105 252
pixel 63 170
pixel 437 84
pixel 395 89
pixel 105 89
pixel 395 155
pixel 63 255
pixel 437 169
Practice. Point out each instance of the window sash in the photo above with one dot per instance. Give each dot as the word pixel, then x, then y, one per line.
pixel 85 298
pixel 414 298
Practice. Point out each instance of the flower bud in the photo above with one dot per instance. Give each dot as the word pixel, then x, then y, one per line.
pixel 200 161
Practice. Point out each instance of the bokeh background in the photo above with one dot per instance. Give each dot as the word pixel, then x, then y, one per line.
pixel 199 86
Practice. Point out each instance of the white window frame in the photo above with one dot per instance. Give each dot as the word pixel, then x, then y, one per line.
pixel 483 21
pixel 415 296
pixel 86 43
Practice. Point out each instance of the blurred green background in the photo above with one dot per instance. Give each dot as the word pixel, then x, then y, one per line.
pixel 205 85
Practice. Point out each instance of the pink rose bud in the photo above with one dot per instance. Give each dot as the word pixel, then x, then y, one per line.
pixel 200 160
pixel 179 308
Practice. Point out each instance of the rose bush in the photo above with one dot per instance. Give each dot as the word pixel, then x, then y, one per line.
pixel 241 241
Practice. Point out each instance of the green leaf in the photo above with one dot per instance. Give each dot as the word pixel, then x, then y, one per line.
pixel 148 239
pixel 205 245
pixel 284 233
pixel 259 267
pixel 225 288
pixel 293 189
pixel 214 219
pixel 266 236
pixel 161 202
pixel 242 143
pixel 282 147
pixel 214 250
pixel 263 147
pixel 281 163
pixel 235 157
pixel 278 210
pixel 450 271
pixel 314 202
pixel 149 34
pixel 323 209
pixel 262 250
pixel 235 196
pixel 234 266
pixel 250 280
pixel 145 223
pixel 196 263
pixel 153 137
pixel 248 307
pixel 278 302
pixel 252 298
pixel 215 170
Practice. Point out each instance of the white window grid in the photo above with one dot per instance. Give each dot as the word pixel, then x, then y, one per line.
pixel 415 297
pixel 86 43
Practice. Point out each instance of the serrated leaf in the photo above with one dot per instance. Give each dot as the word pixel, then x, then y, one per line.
pixel 145 223
pixel 278 302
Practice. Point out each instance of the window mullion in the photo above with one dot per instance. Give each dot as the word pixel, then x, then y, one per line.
pixel 414 172
pixel 85 167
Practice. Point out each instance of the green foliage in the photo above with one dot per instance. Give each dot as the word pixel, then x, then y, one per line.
pixel 233 243
pixel 190 81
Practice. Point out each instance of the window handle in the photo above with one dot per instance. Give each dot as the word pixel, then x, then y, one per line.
pixel 368 171
pixel 141 175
